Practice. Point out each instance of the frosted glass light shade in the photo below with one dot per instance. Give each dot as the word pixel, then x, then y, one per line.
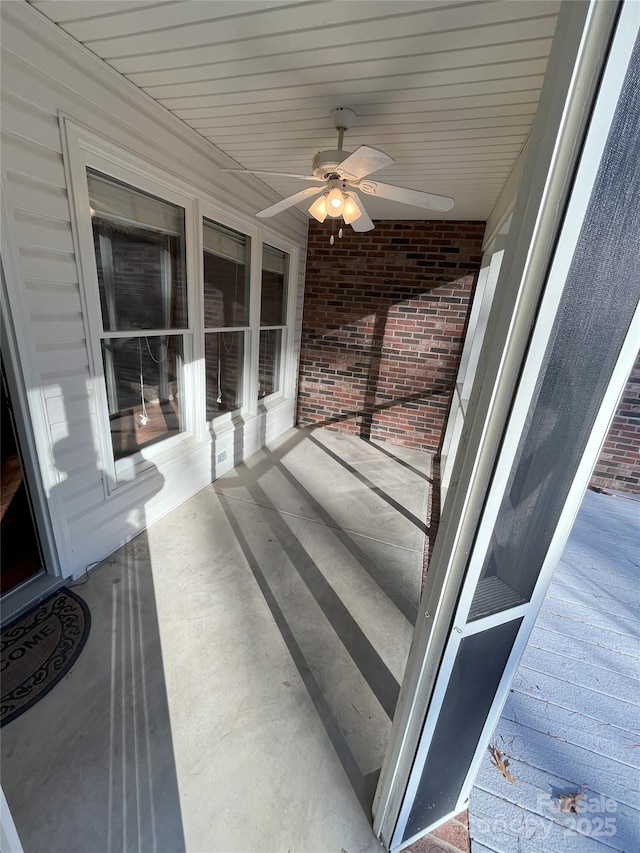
pixel 352 210
pixel 335 203
pixel 319 209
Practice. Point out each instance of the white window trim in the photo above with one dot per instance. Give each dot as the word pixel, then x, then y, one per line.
pixel 82 149
pixel 272 400
pixel 219 215
pixel 269 401
pixel 251 405
pixel 288 372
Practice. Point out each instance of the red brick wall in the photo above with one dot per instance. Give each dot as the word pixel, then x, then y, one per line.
pixel 383 324
pixel 619 464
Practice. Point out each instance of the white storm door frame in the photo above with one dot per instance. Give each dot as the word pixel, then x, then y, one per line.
pixel 576 65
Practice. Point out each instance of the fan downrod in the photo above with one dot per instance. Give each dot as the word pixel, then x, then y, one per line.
pixel 342 118
pixel 325 163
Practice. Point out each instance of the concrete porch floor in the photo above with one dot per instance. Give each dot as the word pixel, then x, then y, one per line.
pixel 237 688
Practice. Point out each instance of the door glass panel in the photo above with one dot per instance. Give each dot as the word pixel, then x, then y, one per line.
pixel 142 376
pixel 224 363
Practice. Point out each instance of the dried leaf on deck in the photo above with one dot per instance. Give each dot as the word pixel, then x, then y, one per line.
pixel 502 764
pixel 571 802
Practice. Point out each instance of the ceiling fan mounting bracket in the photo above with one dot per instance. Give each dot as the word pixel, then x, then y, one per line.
pixel 343 118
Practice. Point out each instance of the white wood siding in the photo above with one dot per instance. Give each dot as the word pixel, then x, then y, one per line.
pixel 45 73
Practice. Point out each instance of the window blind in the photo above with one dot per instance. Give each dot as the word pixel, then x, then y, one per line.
pixel 120 204
pixel 225 242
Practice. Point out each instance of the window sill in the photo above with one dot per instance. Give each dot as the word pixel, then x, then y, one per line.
pixel 228 422
pixel 133 473
pixel 272 401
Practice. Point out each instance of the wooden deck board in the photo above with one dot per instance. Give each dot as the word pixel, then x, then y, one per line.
pixel 616 641
pixel 572 720
pixel 521 831
pixel 567 574
pixel 596 610
pixel 582 767
pixel 583 672
pixel 588 702
pixel 580 647
pixel 536 792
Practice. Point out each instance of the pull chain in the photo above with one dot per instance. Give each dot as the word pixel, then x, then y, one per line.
pixel 332 238
pixel 143 418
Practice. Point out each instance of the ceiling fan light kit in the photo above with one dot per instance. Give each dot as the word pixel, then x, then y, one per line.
pixel 340 173
pixel 352 209
pixel 335 203
pixel 319 209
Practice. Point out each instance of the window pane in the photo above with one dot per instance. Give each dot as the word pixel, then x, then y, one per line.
pixel 224 357
pixel 269 363
pixel 226 277
pixel 140 257
pixel 274 282
pixel 143 390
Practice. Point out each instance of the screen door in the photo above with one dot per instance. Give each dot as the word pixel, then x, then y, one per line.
pixel 582 343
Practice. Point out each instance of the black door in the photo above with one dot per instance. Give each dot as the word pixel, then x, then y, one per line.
pixel 21 554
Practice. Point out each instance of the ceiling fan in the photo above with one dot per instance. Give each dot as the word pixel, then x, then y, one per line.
pixel 340 173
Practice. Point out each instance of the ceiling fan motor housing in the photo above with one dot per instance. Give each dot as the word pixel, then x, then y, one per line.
pixel 325 163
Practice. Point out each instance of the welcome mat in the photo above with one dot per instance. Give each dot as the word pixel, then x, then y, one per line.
pixel 38 649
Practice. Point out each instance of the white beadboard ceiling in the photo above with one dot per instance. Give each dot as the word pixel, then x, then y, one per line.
pixel 448 89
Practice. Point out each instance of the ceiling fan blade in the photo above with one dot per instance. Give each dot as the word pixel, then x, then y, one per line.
pixel 406 196
pixel 362 222
pixel 279 174
pixel 279 206
pixel 363 161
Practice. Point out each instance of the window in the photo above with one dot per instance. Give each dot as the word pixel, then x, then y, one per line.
pixel 139 246
pixel 226 316
pixel 187 328
pixel 273 318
